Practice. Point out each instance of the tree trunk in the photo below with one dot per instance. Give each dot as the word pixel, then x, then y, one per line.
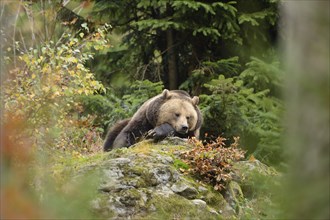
pixel 306 55
pixel 172 69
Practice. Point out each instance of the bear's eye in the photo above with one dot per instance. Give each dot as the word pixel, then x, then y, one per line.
pixel 188 117
pixel 177 114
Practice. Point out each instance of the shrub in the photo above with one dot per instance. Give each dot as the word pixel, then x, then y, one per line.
pixel 247 105
pixel 234 109
pixel 44 86
pixel 211 162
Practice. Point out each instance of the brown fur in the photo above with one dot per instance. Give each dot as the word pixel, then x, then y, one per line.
pixel 175 108
pixel 113 133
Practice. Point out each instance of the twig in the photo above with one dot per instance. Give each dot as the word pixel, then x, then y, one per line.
pixel 30 17
pixel 2 9
pixel 44 17
pixel 24 45
pixel 14 33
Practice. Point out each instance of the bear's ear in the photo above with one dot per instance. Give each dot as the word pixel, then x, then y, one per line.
pixel 195 100
pixel 166 94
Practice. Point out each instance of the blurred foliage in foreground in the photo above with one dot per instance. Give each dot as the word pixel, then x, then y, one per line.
pixel 34 184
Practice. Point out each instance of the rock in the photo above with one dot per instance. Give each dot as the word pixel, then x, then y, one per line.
pixel 227 210
pixel 164 191
pixel 184 190
pixel 234 195
pixel 111 180
pixel 254 175
pixel 244 169
pixel 214 212
pixel 121 161
pixel 162 175
pixel 200 203
pixel 165 159
pixel 174 141
pixel 202 189
pixel 142 182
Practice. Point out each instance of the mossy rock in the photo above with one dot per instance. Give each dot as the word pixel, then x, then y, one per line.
pixel 254 177
pixel 176 207
pixel 145 182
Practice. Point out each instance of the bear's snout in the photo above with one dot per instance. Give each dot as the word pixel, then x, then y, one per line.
pixel 184 129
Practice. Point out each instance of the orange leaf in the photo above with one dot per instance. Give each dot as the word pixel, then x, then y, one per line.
pixel 252 158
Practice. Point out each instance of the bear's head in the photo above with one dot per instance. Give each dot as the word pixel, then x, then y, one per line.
pixel 179 110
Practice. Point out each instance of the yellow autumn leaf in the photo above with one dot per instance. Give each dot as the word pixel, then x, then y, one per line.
pixel 71 43
pixel 72 60
pixel 46 69
pixel 45 89
pixel 80 66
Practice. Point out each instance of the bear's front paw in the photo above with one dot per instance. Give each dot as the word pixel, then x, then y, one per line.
pixel 150 134
pixel 161 132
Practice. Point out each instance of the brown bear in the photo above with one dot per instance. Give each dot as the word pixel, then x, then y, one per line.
pixel 169 113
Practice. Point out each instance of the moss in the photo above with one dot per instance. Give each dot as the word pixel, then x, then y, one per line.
pixel 176 207
pixel 69 161
pixel 136 182
pixel 64 167
pixel 213 198
pixel 236 196
pixel 130 197
pixel 138 170
pixel 143 147
pixel 119 152
pixel 179 164
pixel 171 149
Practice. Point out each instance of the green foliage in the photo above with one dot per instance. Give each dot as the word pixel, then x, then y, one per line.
pixel 180 165
pixel 70 200
pixel 112 107
pixel 208 71
pixel 42 89
pixel 202 31
pixel 139 92
pixel 254 18
pixel 261 75
pixel 105 109
pixel 212 162
pixel 245 106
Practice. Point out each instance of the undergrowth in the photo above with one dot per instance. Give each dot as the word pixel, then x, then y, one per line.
pixel 211 162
